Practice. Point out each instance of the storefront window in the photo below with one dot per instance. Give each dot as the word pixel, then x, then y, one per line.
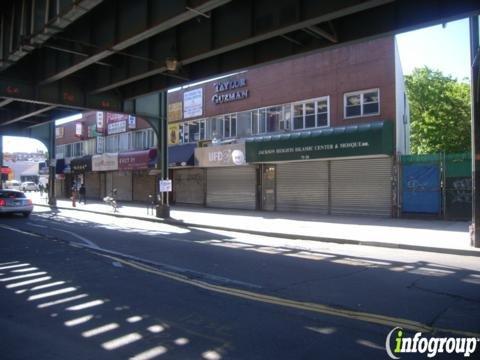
pixel 274 116
pixel 362 103
pixel 262 121
pixel 297 116
pixel 254 120
pixel 287 117
pixel 309 115
pixel 322 113
pixel 244 124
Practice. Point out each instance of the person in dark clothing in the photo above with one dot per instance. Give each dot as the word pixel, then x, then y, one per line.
pixel 83 194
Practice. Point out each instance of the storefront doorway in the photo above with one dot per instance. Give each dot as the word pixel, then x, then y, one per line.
pixel 268 187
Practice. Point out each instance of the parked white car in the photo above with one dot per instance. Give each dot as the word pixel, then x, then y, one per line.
pixel 29 186
pixel 13 184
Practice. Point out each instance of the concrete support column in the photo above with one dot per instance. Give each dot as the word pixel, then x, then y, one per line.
pixel 163 208
pixel 475 60
pixel 52 200
pixel 1 160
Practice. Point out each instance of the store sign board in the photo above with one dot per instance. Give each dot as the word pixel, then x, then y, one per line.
pixel 328 145
pixel 105 162
pixel 223 155
pixel 193 103
pixel 117 127
pixel 100 144
pixel 174 111
pixel 59 132
pixel 173 134
pixel 132 122
pixel 136 160
pixel 78 129
pixel 100 122
pixel 230 90
pixel 80 165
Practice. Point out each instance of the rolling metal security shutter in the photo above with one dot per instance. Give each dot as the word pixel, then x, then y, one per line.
pixel 122 181
pixel 92 185
pixel 232 187
pixel 361 186
pixel 188 185
pixel 303 186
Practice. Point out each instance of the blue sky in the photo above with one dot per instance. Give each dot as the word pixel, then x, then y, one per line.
pixel 444 48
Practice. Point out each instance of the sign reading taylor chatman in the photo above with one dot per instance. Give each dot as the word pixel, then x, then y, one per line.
pixel 222 96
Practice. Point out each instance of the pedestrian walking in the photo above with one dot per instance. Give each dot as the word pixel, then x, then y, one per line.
pixel 83 194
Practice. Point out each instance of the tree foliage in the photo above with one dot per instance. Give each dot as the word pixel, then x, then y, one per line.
pixel 439 112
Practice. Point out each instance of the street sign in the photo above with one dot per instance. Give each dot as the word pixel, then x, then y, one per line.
pixel 165 185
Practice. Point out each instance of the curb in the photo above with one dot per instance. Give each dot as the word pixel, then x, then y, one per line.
pixel 438 250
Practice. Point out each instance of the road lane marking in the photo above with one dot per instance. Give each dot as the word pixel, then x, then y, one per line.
pixel 19 231
pixel 37 225
pixel 384 320
pixel 14 285
pixel 61 301
pixel 79 237
pixel 23 276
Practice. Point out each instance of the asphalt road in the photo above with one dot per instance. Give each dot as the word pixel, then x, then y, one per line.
pixel 83 286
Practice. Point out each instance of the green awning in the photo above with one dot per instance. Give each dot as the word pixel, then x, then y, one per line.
pixel 374 138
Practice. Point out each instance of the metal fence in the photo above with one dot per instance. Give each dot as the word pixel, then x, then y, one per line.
pixel 437 184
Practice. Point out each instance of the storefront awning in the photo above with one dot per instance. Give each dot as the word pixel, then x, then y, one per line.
pixel 181 155
pixel 59 166
pixel 81 165
pixel 374 138
pixel 136 160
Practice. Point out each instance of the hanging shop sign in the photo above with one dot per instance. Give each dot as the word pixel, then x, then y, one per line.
pixel 136 160
pixel 193 103
pixel 100 144
pixel 78 129
pixel 174 111
pixel 224 155
pixel 100 122
pixel 224 93
pixel 366 139
pixel 105 162
pixel 81 165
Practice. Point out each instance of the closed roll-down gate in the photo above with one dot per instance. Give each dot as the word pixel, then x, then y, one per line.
pixel 143 185
pixel 303 186
pixel 122 181
pixel 92 185
pixel 232 187
pixel 188 185
pixel 361 186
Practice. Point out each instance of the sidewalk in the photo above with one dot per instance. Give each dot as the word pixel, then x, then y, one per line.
pixel 449 237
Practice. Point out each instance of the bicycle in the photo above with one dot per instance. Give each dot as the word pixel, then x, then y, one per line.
pixel 112 200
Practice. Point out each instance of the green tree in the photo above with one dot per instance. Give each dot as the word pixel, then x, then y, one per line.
pixel 439 112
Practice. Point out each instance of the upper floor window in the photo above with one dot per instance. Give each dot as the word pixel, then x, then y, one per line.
pixel 311 114
pixel 362 103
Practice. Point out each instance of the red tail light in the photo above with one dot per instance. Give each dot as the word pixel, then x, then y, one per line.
pixel 3 202
pixel 29 201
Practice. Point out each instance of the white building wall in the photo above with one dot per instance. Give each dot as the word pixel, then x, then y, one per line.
pixel 402 110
